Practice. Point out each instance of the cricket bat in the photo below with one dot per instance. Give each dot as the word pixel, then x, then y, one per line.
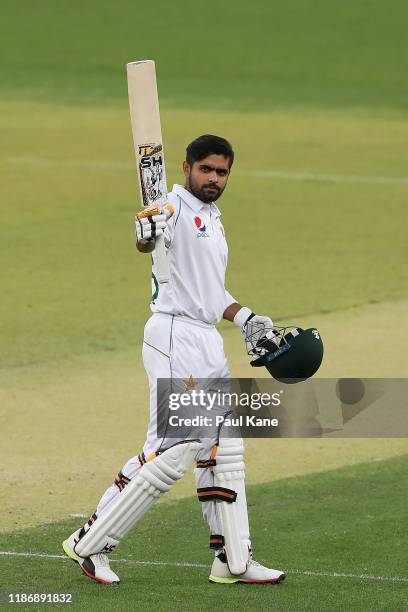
pixel 147 138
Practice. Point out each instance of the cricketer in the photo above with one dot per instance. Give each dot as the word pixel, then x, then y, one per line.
pixel 181 342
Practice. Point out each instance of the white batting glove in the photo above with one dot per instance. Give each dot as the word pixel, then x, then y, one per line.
pixel 256 329
pixel 149 227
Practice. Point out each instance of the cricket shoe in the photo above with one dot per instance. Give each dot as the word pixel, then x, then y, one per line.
pixel 95 566
pixel 255 573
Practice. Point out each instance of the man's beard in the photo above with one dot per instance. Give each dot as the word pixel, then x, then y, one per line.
pixel 204 193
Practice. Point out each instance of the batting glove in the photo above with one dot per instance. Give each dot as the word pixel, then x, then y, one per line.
pixel 256 329
pixel 149 226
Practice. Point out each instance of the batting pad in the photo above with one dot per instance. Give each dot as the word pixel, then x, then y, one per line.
pixel 155 478
pixel 229 473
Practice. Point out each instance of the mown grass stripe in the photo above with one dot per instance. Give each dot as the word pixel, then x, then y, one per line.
pixel 202 566
pixel 267 174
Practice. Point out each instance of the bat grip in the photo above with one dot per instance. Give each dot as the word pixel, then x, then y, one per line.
pixel 162 265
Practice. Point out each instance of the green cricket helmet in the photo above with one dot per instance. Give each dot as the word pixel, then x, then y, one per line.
pixel 290 356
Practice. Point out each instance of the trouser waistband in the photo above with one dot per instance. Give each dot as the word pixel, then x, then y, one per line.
pixel 185 319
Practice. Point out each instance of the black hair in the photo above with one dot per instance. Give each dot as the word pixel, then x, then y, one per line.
pixel 206 145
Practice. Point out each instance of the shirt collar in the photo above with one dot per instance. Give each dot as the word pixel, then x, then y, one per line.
pixel 194 202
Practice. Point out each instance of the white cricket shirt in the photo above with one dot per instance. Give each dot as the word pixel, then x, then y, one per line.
pixel 197 253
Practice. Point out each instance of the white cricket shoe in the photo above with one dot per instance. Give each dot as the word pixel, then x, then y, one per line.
pixel 256 573
pixel 95 566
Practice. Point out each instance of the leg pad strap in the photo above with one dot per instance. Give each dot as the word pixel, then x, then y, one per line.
pixel 216 540
pixel 216 493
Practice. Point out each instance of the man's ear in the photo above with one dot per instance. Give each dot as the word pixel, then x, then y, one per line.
pixel 186 169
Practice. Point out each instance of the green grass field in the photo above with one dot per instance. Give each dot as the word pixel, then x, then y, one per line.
pixel 314 97
pixel 339 555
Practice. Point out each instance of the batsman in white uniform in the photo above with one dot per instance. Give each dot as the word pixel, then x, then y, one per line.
pixel 181 342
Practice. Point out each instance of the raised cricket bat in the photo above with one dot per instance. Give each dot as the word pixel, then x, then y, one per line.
pixel 147 138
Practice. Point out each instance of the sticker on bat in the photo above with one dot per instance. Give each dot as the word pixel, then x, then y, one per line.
pixel 152 176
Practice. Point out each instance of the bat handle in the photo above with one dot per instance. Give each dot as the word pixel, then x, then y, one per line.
pixel 162 265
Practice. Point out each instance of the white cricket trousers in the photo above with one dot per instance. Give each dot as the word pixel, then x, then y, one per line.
pixel 175 347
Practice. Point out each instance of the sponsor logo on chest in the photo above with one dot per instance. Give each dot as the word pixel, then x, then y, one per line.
pixel 200 226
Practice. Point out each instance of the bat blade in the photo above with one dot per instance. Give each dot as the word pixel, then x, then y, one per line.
pixel 148 145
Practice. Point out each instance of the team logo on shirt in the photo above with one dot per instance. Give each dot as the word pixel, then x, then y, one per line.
pixel 200 225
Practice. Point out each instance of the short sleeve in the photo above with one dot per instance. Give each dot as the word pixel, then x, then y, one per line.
pixel 229 300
